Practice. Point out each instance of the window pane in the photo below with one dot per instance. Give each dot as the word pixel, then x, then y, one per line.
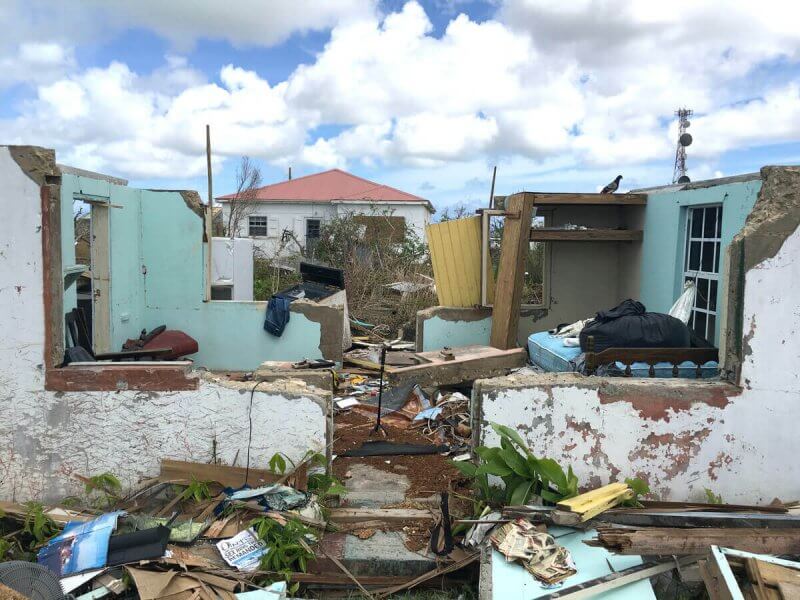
pixel 700 323
pixel 701 300
pixel 710 225
pixel 712 323
pixel 694 256
pixel 716 257
pixel 532 289
pixel 719 221
pixel 697 222
pixel 708 257
pixel 712 296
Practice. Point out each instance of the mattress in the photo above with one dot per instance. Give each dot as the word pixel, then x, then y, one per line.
pixel 550 353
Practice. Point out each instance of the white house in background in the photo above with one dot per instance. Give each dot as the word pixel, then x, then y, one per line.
pixel 301 205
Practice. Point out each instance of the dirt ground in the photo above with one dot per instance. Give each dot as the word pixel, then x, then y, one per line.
pixel 429 475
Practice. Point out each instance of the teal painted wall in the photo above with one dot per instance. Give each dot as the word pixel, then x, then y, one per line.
pixel 665 235
pixel 157 277
pixel 438 333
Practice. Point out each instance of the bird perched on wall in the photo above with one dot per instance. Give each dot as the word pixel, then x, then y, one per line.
pixel 612 187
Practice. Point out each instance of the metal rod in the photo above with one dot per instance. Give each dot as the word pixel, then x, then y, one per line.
pixel 378 425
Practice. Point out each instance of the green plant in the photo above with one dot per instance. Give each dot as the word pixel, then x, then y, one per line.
pixel 37 524
pixel 106 487
pixel 288 549
pixel 523 474
pixel 277 464
pixel 712 498
pixel 640 488
pixel 197 490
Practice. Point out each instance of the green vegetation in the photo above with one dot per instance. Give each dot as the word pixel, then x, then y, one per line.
pixel 103 489
pixel 198 491
pixel 640 488
pixel 289 551
pixel 712 498
pixel 38 525
pixel 523 474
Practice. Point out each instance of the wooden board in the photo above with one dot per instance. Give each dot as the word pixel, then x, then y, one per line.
pixel 178 470
pixel 552 234
pixel 470 363
pixel 455 248
pixel 592 503
pixel 681 542
pixel 590 199
pixel 385 515
pixel 516 231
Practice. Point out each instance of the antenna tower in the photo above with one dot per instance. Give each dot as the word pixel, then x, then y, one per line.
pixel 684 139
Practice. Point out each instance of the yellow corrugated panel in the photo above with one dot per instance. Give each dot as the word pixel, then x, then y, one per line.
pixel 455 248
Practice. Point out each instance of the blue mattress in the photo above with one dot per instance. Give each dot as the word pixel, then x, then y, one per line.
pixel 550 353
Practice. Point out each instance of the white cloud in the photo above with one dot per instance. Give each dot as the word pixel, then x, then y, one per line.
pixel 241 22
pixel 589 85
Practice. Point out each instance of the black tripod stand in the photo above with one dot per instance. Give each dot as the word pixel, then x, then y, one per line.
pixel 378 425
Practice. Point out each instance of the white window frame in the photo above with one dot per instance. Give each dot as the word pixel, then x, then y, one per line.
pixel 250 225
pixel 697 274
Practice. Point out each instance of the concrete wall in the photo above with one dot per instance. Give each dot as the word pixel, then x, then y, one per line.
pixel 293 216
pixel 665 234
pixel 683 435
pixel 441 326
pixel 158 277
pixel 46 437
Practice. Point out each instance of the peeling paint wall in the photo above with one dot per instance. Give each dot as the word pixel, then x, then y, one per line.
pixel 45 437
pixel 682 435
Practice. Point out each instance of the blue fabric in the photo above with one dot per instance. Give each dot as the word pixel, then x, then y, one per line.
pixel 277 314
pixel 550 353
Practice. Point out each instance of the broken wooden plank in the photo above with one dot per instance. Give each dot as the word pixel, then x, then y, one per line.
pixel 227 476
pixel 384 515
pixel 612 581
pixel 592 503
pixel 562 198
pixel 510 273
pixel 648 518
pixel 468 364
pixel 681 542
pixel 554 234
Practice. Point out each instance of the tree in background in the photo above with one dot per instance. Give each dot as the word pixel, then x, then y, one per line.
pixel 243 202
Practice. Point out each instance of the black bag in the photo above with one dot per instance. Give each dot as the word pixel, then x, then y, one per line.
pixel 627 325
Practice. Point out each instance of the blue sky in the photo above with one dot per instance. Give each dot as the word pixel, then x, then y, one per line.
pixel 423 95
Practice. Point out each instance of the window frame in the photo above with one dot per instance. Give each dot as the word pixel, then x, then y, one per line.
pixel 698 274
pixel 319 228
pixel 547 217
pixel 265 226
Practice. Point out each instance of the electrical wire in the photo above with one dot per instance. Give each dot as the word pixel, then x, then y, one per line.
pixel 250 432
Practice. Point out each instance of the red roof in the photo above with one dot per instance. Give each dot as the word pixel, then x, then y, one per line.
pixel 330 186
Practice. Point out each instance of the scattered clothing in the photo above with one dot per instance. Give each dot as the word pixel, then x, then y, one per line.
pixel 277 314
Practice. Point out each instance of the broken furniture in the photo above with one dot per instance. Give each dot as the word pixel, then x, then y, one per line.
pixel 79 348
pixel 518 232
pixel 457 365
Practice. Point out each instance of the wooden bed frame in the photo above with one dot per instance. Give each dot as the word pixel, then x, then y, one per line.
pixel 651 356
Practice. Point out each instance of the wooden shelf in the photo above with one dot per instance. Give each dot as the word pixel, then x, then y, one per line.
pixel 549 199
pixel 551 234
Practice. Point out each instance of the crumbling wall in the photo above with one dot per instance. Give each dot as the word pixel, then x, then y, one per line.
pixel 685 435
pixel 440 326
pixel 46 437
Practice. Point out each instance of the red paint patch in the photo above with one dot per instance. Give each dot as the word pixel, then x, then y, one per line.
pixel 656 402
pixel 722 460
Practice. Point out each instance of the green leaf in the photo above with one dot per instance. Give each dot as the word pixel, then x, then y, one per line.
pixel 495 467
pixel 277 464
pixel 552 471
pixel 509 433
pixel 521 493
pixel 487 454
pixel 517 463
pixel 550 496
pixel 639 487
pixel 465 467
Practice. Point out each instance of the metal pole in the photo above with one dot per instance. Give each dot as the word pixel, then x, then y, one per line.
pixel 378 425
pixel 209 214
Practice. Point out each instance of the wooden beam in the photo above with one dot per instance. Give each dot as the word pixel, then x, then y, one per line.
pixel 114 377
pixel 681 542
pixel 179 470
pixel 549 234
pixel 590 199
pixel 508 294
pixel 385 515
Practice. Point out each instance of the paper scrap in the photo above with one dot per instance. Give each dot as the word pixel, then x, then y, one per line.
pixel 243 551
